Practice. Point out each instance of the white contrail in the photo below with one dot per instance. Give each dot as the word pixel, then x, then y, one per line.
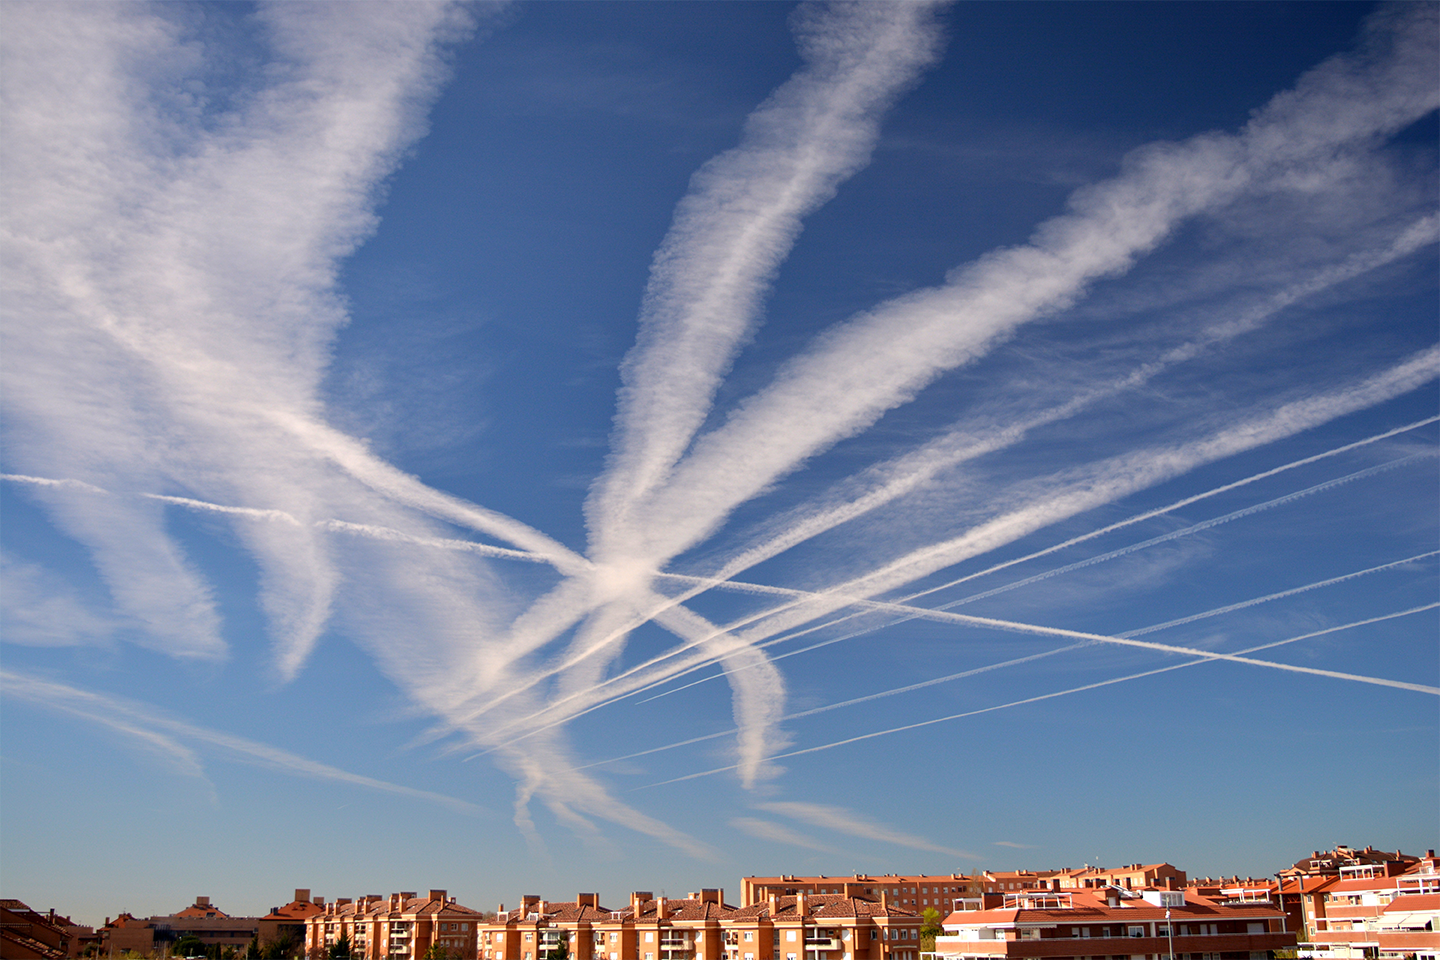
pixel 881 359
pixel 1184 502
pixel 1085 641
pixel 737 225
pixel 1195 528
pixel 911 471
pixel 975 671
pixel 729 235
pixel 46 482
pixel 1255 601
pixel 1116 478
pixel 934 681
pixel 1204 658
pixel 1090 561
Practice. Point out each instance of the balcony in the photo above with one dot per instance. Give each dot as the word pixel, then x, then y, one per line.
pixel 1352 911
pixel 1074 946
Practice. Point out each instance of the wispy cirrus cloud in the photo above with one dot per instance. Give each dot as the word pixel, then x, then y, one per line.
pixel 172 259
pixel 853 824
pixel 156 731
pixel 773 832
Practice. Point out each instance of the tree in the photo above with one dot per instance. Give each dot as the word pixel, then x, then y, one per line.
pixel 283 948
pixel 930 929
pixel 436 952
pixel 561 950
pixel 188 946
pixel 340 949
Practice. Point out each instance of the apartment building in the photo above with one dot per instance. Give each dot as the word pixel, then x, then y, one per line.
pixel 210 924
pixel 1385 909
pixel 287 922
pixel 402 926
pixel 27 934
pixel 955 891
pixel 915 892
pixel 703 927
pixel 1114 923
pixel 1134 876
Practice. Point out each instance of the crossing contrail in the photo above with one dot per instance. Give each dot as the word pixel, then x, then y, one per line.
pixel 1206 658
pixel 1090 561
pixel 1120 477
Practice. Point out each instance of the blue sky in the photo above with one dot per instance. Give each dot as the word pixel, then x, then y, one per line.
pixel 563 447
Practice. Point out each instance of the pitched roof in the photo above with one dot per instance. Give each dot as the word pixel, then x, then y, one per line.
pixel 823 906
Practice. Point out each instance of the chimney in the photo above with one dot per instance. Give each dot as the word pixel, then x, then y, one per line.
pixel 500 912
pixel 660 911
pixel 302 895
pixel 587 900
pixel 437 895
pixel 774 906
pixel 800 903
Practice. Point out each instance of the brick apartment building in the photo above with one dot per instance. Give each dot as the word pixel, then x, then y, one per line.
pixel 402 926
pixel 1113 923
pixel 28 934
pixel 948 892
pixel 807 926
pixel 1376 910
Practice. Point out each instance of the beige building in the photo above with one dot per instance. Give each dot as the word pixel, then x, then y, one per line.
pixel 914 892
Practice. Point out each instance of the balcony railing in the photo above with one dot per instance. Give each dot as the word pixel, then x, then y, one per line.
pixel 1067 946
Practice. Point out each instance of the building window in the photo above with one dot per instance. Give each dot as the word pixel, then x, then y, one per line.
pixel 1137 931
pixel 749 936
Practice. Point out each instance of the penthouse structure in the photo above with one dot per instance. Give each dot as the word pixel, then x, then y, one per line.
pixel 402 926
pixel 1114 924
pixel 703 927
